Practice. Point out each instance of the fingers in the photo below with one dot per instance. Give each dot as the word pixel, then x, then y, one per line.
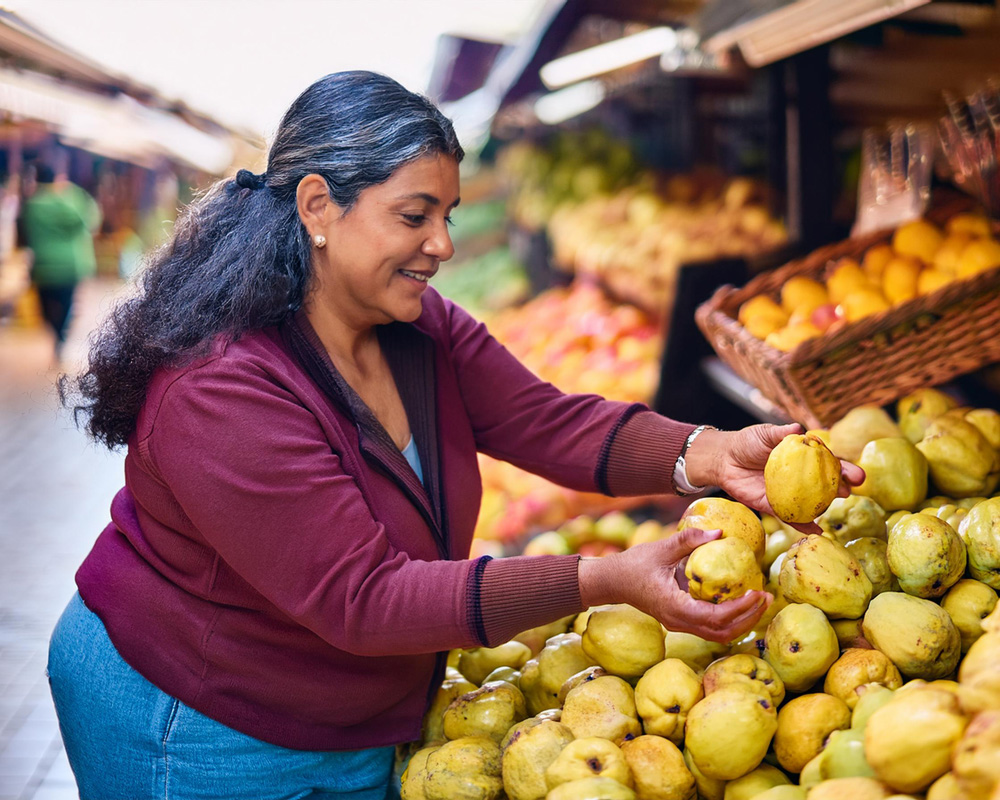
pixel 806 527
pixel 852 473
pixel 682 544
pixel 726 621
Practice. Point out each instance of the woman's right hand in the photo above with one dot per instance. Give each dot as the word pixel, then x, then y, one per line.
pixel 646 576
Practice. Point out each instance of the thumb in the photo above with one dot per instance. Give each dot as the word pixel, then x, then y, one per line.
pixel 775 433
pixel 684 543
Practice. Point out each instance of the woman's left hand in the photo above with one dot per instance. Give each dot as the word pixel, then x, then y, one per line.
pixel 734 461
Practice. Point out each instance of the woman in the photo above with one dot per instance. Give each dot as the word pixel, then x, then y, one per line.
pixel 269 611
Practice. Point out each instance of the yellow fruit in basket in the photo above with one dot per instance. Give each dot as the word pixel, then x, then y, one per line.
pixel 978 256
pixel 761 316
pixel 918 239
pixel 971 224
pixel 931 279
pixel 863 303
pixel 899 279
pixel 800 292
pixel 846 278
pixel 874 261
pixel 946 258
pixel 791 336
pixel 801 478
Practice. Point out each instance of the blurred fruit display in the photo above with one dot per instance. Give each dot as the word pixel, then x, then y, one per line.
pixel 633 228
pixel 873 674
pixel 582 342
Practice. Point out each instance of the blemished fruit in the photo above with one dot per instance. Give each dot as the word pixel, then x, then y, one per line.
pixel 801 478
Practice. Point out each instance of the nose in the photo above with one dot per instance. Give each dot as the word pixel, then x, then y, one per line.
pixel 439 245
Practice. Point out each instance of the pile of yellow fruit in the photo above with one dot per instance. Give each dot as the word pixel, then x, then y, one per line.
pixel 874 674
pixel 920 259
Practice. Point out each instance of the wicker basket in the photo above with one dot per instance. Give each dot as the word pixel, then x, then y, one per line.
pixel 921 342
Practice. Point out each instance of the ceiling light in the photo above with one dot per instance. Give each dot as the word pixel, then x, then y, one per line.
pixel 802 25
pixel 569 102
pixel 607 57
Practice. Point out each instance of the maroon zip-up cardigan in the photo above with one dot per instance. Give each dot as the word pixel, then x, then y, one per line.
pixel 274 562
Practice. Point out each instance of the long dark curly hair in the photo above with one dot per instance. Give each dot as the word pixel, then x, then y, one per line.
pixel 240 258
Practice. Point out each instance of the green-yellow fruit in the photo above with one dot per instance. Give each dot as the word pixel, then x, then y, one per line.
pixel 663 697
pixel 895 474
pixel 603 707
pixel 917 635
pixel 945 788
pixel 543 676
pixel 870 553
pixel 871 697
pixel 723 569
pixel 734 519
pixel 962 462
pixel 822 573
pixel 976 757
pixel 804 722
pixel 694 651
pixel 801 645
pixel 926 555
pixel 987 421
pixel 583 676
pixel 854 788
pixel 591 789
pixel 476 664
pixel 852 517
pixel 916 410
pixel 968 603
pixel 801 478
pixel 908 741
pixel 488 711
pixel 728 732
pixel 658 769
pixel 980 530
pixel 464 769
pixel 707 788
pixel 859 667
pixel 844 756
pixel 786 792
pixel 750 786
pixel 527 753
pixel 747 671
pixel 850 434
pixel 590 757
pixel 415 774
pixel 623 640
pixel 451 689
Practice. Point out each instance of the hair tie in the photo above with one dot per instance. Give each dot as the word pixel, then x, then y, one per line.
pixel 245 179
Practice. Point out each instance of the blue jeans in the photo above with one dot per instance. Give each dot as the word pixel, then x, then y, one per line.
pixel 127 740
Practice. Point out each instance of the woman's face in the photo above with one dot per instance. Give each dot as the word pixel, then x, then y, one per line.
pixel 380 254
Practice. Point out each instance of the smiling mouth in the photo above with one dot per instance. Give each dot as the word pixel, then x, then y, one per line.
pixel 417 276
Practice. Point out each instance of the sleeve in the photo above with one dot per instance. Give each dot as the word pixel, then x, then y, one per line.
pixel 251 468
pixel 583 442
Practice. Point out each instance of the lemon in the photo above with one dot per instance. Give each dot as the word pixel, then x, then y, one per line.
pixel 804 293
pixel 918 239
pixel 847 277
pixel 932 279
pixel 874 261
pixel 971 224
pixel 899 279
pixel 862 303
pixel 978 256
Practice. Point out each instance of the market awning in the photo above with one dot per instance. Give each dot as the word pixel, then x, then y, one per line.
pixel 115 126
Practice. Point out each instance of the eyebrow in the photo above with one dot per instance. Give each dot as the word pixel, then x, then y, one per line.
pixel 434 201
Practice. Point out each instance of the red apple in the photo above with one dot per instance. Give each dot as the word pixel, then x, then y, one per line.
pixel 826 315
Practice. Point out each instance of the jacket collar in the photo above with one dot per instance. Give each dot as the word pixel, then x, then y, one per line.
pixel 410 355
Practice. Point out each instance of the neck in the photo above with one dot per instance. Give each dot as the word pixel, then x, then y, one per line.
pixel 345 342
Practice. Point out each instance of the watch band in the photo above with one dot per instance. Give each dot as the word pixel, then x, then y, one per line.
pixel 681 483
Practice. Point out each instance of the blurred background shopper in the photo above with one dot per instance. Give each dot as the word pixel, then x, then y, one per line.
pixel 59 221
pixel 270 610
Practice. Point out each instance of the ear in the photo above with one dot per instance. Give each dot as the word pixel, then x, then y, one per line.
pixel 316 207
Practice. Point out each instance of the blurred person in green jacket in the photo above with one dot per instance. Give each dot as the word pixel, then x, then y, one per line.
pixel 59 221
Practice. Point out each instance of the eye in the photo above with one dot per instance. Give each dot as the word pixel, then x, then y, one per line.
pixel 414 219
pixel 449 220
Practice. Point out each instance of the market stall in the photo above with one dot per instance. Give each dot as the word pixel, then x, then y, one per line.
pixel 788 210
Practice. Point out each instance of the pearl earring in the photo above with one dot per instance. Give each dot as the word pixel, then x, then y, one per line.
pixel 319 240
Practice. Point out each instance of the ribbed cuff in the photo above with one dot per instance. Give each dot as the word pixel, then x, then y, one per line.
pixel 527 591
pixel 642 455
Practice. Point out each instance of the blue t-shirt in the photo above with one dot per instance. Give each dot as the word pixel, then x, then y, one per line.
pixel 411 455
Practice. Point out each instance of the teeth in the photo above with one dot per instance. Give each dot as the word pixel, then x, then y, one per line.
pixel 415 275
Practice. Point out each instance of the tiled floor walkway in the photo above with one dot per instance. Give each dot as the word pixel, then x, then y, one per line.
pixel 55 490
